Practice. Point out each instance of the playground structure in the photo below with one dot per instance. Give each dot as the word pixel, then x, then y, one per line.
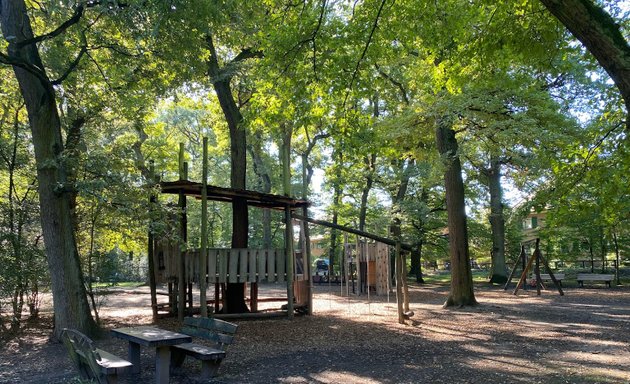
pixel 534 260
pixel 370 261
pixel 180 267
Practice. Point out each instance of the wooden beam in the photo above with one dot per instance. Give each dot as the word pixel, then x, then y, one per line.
pixel 380 239
pixel 203 262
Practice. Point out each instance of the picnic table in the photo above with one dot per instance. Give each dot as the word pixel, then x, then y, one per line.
pixel 146 336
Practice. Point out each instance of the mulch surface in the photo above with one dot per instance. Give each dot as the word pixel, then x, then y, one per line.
pixel 582 337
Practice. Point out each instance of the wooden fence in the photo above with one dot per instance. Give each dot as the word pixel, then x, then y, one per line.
pixel 238 265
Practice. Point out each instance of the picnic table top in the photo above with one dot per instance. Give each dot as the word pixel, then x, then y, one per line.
pixel 151 336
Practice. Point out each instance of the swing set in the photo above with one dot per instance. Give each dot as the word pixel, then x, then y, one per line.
pixel 536 259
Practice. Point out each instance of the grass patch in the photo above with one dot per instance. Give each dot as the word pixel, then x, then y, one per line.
pixel 123 284
pixel 443 277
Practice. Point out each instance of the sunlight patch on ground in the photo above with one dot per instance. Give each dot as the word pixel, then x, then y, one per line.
pixel 612 357
pixel 477 348
pixel 613 317
pixel 343 377
pixel 511 364
pixel 442 333
pixel 583 364
pixel 293 380
pixel 591 345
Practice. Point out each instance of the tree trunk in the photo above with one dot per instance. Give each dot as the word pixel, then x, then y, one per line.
pixel 497 223
pixel 602 244
pixel 369 162
pixel 337 191
pixel 264 185
pixel 461 276
pixel 234 292
pixel 404 168
pixel 69 296
pixel 601 35
pixel 416 263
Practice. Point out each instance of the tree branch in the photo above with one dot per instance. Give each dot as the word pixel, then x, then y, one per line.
pixel 20 63
pixel 71 68
pixel 247 53
pixel 398 84
pixel 76 16
pixel 367 45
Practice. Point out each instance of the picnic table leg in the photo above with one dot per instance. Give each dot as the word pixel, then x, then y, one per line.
pixel 162 364
pixel 134 356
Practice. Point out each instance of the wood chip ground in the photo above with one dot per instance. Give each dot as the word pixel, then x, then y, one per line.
pixel 582 337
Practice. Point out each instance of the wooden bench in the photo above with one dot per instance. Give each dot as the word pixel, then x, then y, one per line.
pixel 607 278
pixel 559 277
pixel 219 334
pixel 93 363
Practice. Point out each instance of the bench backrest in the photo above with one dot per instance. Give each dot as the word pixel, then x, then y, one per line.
pixel 595 276
pixel 83 354
pixel 220 332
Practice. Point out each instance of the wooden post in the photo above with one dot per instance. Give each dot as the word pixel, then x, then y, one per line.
pixel 524 274
pixel 405 286
pixel 181 275
pixel 151 242
pixel 399 288
pixel 203 252
pixel 537 269
pixel 551 275
pixel 520 256
pixel 308 261
pixel 290 264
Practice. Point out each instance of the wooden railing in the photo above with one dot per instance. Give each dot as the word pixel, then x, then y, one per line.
pixel 238 265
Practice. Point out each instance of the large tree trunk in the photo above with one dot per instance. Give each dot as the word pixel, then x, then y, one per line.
pixel 461 276
pixel 337 191
pixel 264 185
pixel 235 292
pixel 601 35
pixel 497 223
pixel 69 297
pixel 403 168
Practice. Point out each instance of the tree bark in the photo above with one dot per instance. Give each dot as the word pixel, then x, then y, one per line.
pixel 235 292
pixel 462 293
pixel 497 223
pixel 404 168
pixel 601 35
pixel 337 191
pixel 369 162
pixel 264 185
pixel 69 296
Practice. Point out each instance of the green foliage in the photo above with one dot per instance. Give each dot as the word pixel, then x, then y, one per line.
pixel 360 95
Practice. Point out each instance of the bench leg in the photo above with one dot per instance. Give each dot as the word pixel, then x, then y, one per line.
pixel 162 364
pixel 134 356
pixel 581 283
pixel 177 358
pixel 209 368
pixel 112 378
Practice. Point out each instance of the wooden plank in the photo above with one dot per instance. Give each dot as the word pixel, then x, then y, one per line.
pixel 594 277
pixel 233 266
pixel 546 276
pixel 261 255
pixel 271 265
pixel 212 265
pixel 251 262
pixel 281 265
pixel 242 265
pixel 223 263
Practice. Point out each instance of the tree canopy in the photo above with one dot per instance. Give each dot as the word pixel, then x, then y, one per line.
pixel 405 117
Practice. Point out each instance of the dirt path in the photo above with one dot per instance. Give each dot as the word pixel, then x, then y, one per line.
pixel 582 337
